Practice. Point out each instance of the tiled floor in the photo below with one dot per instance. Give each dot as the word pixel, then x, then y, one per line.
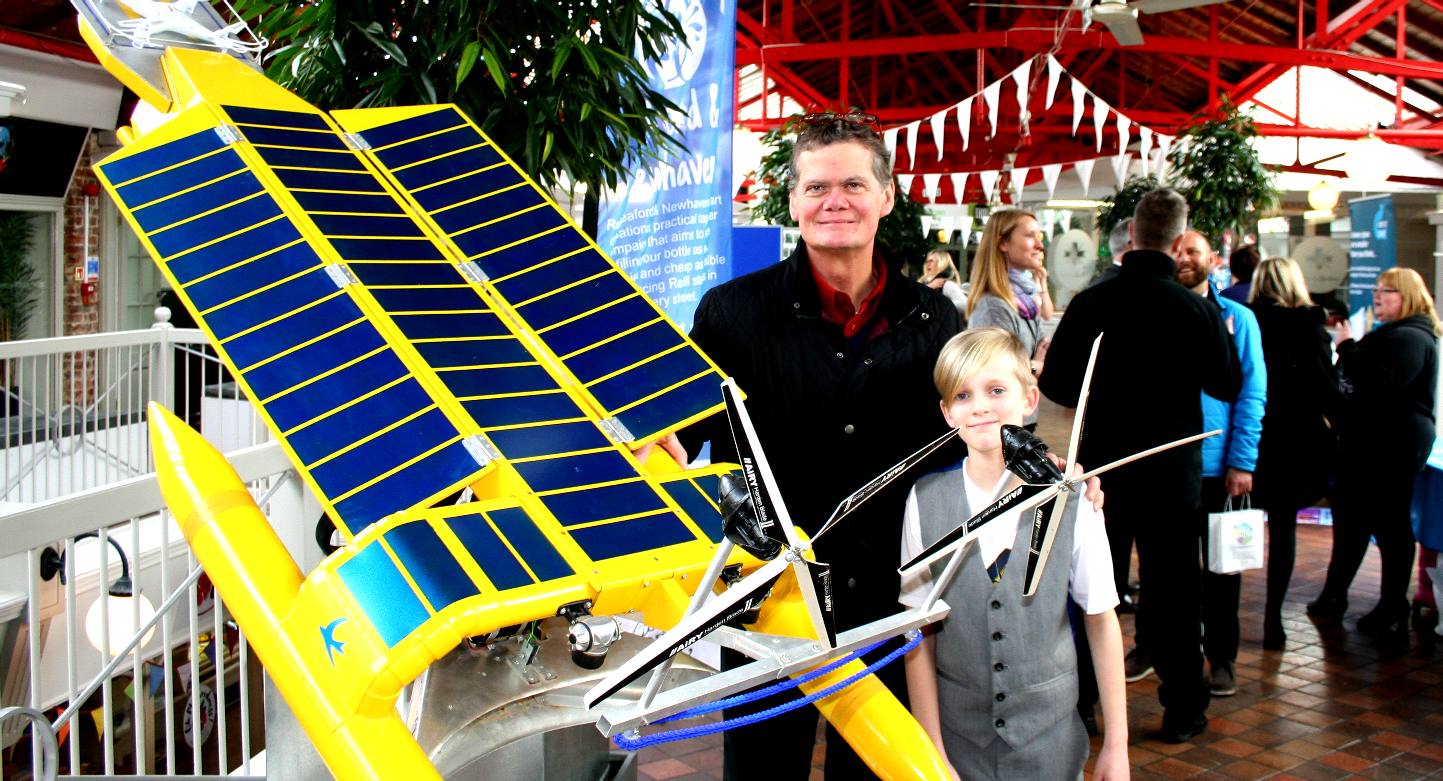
pixel 1333 704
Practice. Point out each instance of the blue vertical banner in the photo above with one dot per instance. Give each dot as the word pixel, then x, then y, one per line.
pixel 670 227
pixel 1372 250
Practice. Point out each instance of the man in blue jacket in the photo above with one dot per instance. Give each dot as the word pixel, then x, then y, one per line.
pixel 1228 460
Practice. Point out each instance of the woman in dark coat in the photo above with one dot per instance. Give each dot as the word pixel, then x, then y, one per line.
pixel 1295 455
pixel 1389 381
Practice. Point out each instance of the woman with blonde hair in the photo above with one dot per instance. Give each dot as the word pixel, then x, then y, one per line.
pixel 939 273
pixel 1295 453
pixel 1009 283
pixel 1388 379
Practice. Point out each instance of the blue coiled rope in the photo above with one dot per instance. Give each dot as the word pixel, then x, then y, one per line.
pixel 632 740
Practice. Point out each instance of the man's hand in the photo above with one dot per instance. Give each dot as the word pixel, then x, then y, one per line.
pixel 669 443
pixel 1238 482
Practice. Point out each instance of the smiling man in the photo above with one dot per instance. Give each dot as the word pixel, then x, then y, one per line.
pixel 835 350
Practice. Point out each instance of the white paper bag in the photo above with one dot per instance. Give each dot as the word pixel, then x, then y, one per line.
pixel 1235 539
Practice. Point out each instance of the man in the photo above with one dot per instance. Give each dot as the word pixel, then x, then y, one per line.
pixel 1228 461
pixel 1242 263
pixel 1164 345
pixel 1119 241
pixel 835 350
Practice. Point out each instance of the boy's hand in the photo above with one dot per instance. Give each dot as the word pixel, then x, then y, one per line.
pixel 669 443
pixel 1093 492
pixel 1112 763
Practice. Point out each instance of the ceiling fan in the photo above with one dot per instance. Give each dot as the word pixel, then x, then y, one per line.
pixel 1119 16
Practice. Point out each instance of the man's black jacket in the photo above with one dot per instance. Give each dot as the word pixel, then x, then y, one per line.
pixel 831 415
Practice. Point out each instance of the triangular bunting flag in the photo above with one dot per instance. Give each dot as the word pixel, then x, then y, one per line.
pixel 964 228
pixel 1050 172
pixel 959 186
pixel 964 121
pixel 939 130
pixel 1120 163
pixel 992 95
pixel 1099 118
pixel 889 137
pixel 926 225
pixel 1077 92
pixel 944 224
pixel 988 179
pixel 1164 145
pixel 1124 133
pixel 912 128
pixel 1019 181
pixel 929 186
pixel 1022 74
pixel 1144 147
pixel 1054 72
pixel 1084 173
pixel 904 185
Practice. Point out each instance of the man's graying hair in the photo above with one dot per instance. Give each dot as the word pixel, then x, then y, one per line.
pixel 838 132
pixel 1119 237
pixel 1160 218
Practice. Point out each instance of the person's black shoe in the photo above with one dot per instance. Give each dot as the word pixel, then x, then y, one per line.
pixel 1136 665
pixel 1183 732
pixel 1425 617
pixel 1274 638
pixel 1387 623
pixel 1221 682
pixel 1327 608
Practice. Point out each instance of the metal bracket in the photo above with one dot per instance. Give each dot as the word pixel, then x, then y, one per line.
pixel 355 142
pixel 229 134
pixel 480 449
pixel 616 431
pixel 473 272
pixel 342 276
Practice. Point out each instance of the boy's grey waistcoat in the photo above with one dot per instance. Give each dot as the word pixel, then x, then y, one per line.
pixel 1005 665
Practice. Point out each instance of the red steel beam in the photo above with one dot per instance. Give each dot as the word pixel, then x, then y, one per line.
pixel 23 40
pixel 1341 31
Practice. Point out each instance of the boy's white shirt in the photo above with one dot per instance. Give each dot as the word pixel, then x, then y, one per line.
pixel 1089 579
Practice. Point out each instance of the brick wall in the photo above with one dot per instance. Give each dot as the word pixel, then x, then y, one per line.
pixel 78 317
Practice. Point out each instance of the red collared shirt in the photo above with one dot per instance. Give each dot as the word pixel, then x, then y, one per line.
pixel 837 306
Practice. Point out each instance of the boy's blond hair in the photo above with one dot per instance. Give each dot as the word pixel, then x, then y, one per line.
pixel 965 354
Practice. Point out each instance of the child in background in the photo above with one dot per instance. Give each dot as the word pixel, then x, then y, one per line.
pixel 996 685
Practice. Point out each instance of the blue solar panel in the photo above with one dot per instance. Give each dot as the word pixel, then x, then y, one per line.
pixel 474 352
pixel 385 452
pixel 530 408
pixel 660 372
pixel 366 225
pixel 310 158
pixel 270 303
pixel 488 208
pixel 173 241
pixel 289 331
pixel 546 440
pixel 458 325
pixel 544 279
pixel 481 541
pixel 453 165
pixel 387 249
pixel 304 179
pixel 167 183
pixel 313 359
pixel 228 252
pixel 198 201
pixel 446 467
pixel 510 260
pixel 602 502
pixel 420 299
pixel 360 420
pixel 346 202
pixel 384 595
pixel 621 316
pixel 575 470
pixel 539 553
pixel 625 537
pixel 323 395
pixel 151 160
pixel 514 228
pixel 623 351
pixel 304 139
pixel 420 125
pixel 699 508
pixel 431 146
pixel 266 116
pixel 432 565
pixel 252 275
pixel 571 302
pixel 675 405
pixel 500 379
pixel 407 274
pixel 446 194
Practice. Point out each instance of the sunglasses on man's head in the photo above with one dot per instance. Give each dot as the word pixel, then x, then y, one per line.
pixel 828 117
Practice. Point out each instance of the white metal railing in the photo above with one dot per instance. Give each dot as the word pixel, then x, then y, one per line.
pixel 172 696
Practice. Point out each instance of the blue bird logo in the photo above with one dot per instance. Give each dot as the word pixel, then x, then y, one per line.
pixel 328 636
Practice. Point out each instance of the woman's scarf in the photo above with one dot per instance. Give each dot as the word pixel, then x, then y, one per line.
pixel 1024 290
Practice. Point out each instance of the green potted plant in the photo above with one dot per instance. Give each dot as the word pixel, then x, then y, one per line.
pixel 1215 166
pixel 17 290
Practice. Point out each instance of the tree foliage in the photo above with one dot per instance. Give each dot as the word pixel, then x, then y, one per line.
pixel 560 85
pixel 1226 185
pixel 18 297
pixel 1120 206
pixel 899 234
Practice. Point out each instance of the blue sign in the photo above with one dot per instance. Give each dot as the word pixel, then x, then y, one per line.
pixel 670 228
pixel 1373 250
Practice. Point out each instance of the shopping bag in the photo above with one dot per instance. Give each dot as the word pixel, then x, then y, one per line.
pixel 1235 538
